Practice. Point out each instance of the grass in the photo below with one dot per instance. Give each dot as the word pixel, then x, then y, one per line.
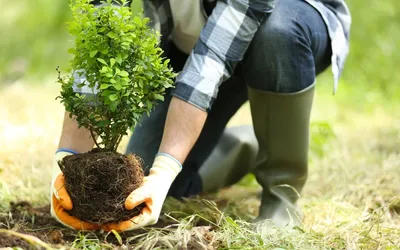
pixel 351 200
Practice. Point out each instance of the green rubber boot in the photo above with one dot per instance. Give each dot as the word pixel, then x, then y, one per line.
pixel 233 157
pixel 281 125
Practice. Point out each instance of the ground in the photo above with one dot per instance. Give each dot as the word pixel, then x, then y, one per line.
pixel 351 200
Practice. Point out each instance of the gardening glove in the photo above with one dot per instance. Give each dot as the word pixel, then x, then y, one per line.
pixel 152 193
pixel 60 200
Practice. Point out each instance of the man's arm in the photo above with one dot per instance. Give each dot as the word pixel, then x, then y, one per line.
pixel 74 138
pixel 182 128
pixel 222 44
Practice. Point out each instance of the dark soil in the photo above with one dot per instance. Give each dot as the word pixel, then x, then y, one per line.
pixel 23 218
pixel 99 182
pixel 37 222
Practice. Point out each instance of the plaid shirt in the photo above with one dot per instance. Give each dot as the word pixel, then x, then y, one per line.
pixel 225 37
pixel 222 43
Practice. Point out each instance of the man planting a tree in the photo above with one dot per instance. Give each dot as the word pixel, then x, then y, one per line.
pixel 227 52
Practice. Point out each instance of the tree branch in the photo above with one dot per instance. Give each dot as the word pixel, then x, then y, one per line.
pixel 94 138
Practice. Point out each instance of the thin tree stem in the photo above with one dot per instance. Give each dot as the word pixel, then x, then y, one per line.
pixel 118 142
pixel 94 138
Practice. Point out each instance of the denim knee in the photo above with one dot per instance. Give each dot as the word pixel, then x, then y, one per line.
pixel 281 57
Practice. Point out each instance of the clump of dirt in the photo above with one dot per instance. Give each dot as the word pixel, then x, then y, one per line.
pixel 36 222
pixel 99 182
pixel 10 241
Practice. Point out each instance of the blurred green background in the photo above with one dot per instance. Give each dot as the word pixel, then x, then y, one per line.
pixel 34 41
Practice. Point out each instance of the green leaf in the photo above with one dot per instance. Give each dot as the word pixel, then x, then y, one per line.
pixel 149 104
pixel 106 93
pixel 104 86
pixel 113 106
pixel 103 123
pixel 159 97
pixel 102 61
pixel 113 97
pixel 137 20
pixel 104 51
pixel 124 56
pixel 167 85
pixel 149 73
pixel 123 73
pixel 81 85
pixel 112 61
pixel 117 86
pixel 112 34
pixel 93 53
pixel 119 59
pixel 104 69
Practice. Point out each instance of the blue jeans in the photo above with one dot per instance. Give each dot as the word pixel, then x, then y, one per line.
pixel 290 49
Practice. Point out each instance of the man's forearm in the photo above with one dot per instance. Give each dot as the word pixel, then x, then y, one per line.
pixel 182 128
pixel 75 138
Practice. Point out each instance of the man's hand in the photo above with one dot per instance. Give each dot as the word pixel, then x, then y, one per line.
pixel 61 201
pixel 152 193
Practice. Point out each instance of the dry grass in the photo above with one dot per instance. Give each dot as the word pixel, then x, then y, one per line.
pixel 351 200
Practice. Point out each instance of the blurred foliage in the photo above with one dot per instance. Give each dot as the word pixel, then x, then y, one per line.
pixel 322 135
pixel 34 38
pixel 34 42
pixel 370 73
pixel 375 37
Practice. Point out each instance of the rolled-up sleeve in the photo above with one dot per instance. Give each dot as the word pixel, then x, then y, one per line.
pixel 222 43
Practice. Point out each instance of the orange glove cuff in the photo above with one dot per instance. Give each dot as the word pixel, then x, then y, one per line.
pixel 69 220
pixel 62 194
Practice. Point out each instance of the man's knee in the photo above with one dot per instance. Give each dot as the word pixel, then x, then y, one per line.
pixel 285 29
pixel 279 56
pixel 279 33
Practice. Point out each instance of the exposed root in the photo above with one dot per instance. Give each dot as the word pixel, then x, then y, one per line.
pixel 99 182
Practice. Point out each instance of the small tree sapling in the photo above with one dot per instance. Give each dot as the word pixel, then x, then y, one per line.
pixel 118 55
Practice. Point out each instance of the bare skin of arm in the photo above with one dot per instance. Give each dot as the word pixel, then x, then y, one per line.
pixel 182 128
pixel 72 137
